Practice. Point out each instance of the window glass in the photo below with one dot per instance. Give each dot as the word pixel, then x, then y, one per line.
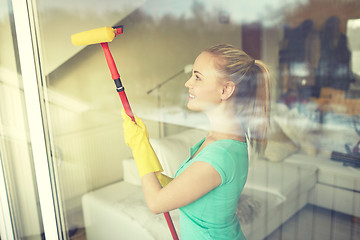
pixel 307 180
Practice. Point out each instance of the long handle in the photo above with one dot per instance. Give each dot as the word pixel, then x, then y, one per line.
pixel 120 89
pixel 116 77
pixel 171 226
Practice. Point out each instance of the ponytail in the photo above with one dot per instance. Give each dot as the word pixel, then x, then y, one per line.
pixel 259 117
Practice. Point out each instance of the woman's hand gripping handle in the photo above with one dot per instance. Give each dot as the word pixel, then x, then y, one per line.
pixel 137 138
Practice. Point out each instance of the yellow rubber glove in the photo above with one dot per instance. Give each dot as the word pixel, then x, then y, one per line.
pixel 137 138
pixel 163 179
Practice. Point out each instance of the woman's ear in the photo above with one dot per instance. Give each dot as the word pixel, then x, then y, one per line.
pixel 228 90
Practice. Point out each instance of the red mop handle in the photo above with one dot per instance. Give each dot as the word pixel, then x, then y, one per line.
pixel 120 89
pixel 171 226
pixel 116 77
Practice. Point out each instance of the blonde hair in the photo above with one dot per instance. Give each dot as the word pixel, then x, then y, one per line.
pixel 252 92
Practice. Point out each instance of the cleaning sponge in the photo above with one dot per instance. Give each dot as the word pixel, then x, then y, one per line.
pixel 98 35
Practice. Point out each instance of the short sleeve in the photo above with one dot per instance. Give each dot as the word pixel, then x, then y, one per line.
pixel 220 159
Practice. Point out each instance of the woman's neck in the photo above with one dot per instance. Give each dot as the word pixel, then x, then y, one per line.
pixel 224 125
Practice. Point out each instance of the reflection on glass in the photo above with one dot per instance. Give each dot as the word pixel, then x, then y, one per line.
pixel 315 103
pixel 15 147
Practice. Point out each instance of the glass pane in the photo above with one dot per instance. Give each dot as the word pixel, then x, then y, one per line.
pixel 16 155
pixel 303 186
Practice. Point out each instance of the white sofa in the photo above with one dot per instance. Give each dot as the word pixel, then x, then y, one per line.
pixel 273 193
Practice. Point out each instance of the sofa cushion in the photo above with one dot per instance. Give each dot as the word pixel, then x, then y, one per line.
pixel 279 145
pixel 298 128
pixel 277 151
pixel 131 174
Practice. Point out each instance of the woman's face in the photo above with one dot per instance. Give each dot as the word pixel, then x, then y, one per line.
pixel 205 85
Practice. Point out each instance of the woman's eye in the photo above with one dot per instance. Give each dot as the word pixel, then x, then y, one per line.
pixel 197 78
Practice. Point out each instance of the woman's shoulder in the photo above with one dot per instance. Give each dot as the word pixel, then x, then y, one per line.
pixel 227 156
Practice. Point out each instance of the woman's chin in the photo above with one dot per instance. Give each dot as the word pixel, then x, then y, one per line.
pixel 196 107
pixel 203 107
pixel 193 107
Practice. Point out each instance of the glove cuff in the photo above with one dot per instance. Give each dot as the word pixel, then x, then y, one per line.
pixel 163 179
pixel 146 159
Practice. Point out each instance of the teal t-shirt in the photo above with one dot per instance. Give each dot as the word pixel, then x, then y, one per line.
pixel 213 216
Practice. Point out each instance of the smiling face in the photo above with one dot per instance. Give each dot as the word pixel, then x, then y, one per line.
pixel 205 85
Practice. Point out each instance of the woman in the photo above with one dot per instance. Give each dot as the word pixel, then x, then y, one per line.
pixel 232 89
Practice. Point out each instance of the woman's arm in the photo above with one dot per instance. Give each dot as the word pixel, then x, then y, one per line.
pixel 197 180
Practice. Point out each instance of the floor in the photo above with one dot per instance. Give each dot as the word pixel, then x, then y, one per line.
pixel 311 223
pixel 314 223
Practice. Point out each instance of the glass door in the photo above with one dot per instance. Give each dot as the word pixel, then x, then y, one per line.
pixel 65 171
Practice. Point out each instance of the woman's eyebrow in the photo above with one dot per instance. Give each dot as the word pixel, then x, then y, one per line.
pixel 198 73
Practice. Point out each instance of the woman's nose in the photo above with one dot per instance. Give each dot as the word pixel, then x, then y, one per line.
pixel 187 84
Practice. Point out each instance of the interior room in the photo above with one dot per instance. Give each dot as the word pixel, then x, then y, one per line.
pixel 306 185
